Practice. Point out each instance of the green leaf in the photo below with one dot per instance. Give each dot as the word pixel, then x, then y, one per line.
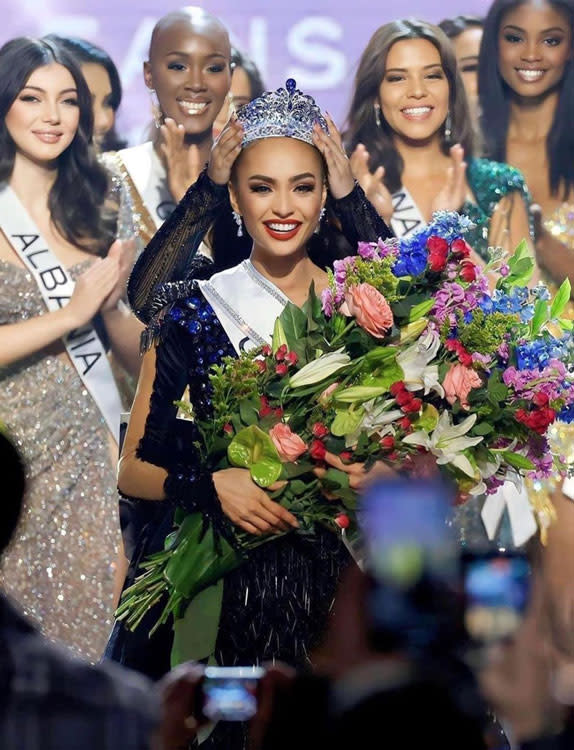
pixel 517 460
pixel 482 428
pixel 335 479
pixel 248 411
pixel 497 393
pixel 253 449
pixel 539 318
pixel 279 338
pixel 380 355
pixel 294 322
pixel 561 299
pixel 195 634
pixel 346 422
pixel 420 310
pixel 566 325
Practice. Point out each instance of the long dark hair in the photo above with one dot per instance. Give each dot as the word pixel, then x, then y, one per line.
pixel 84 53
pixel 494 97
pixel 76 199
pixel 361 123
pixel 240 60
pixel 454 27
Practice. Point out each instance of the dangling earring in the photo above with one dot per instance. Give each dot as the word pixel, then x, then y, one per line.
pixel 378 114
pixel 321 215
pixel 238 220
pixel 448 128
pixel 156 109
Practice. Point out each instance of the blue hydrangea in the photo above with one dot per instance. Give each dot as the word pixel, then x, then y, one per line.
pixel 567 414
pixel 536 354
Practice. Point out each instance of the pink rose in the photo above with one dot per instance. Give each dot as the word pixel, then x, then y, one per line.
pixel 371 310
pixel 289 445
pixel 459 382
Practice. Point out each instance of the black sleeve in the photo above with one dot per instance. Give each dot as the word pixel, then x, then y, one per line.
pixel 168 254
pixel 169 441
pixel 359 219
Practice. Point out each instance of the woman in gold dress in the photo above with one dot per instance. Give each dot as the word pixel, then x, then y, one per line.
pixel 60 310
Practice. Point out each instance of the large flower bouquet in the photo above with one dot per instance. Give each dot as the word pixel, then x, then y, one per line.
pixel 406 358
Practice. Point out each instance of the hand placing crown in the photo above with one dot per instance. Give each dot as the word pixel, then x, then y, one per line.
pixel 283 113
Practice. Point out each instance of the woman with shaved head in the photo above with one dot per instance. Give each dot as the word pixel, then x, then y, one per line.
pixel 188 74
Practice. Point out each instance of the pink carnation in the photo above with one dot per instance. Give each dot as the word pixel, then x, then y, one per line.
pixel 289 445
pixel 370 309
pixel 459 382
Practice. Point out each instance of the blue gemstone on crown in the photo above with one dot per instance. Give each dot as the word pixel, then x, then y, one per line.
pixel 284 113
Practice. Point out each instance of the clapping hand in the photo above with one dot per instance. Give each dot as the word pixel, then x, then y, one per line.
pixel 225 151
pixel 339 173
pixel 372 183
pixel 123 253
pixel 183 162
pixel 454 192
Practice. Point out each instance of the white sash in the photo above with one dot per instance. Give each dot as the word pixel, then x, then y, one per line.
pixel 246 303
pixel 406 216
pixel 83 345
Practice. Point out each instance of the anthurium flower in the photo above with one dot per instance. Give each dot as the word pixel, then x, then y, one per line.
pixel 320 368
pixel 448 442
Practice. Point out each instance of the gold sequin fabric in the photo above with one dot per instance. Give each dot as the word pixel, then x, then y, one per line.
pixel 560 224
pixel 59 567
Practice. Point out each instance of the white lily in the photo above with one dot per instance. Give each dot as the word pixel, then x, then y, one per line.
pixel 320 368
pixel 447 442
pixel 414 362
pixel 377 417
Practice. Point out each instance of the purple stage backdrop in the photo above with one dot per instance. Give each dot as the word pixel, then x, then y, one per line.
pixel 319 44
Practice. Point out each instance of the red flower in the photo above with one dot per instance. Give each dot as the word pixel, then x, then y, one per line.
pixel 397 388
pixel 403 398
pixel 266 350
pixel 388 443
pixel 438 253
pixel 319 430
pixel 467 271
pixel 282 369
pixel 292 358
pixel 265 409
pixel 278 412
pixel 461 248
pixel 228 428
pixel 346 456
pixel 414 405
pixel 405 423
pixel 342 521
pixel 540 399
pixel 281 352
pixel 261 365
pixel 392 456
pixel 538 420
pixel 317 450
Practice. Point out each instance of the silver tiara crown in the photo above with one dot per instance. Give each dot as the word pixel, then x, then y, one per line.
pixel 284 113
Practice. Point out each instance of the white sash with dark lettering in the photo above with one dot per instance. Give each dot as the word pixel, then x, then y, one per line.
pixel 83 345
pixel 406 216
pixel 246 303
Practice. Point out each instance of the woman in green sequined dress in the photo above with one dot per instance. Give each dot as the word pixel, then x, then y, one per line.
pixel 411 138
pixel 526 90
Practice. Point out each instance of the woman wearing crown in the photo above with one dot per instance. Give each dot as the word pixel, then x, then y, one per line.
pixel 278 167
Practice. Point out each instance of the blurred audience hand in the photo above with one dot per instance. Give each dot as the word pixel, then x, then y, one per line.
pixel 517 679
pixel 179 696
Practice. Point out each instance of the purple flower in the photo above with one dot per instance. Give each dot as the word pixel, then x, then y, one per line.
pixel 368 251
pixel 327 302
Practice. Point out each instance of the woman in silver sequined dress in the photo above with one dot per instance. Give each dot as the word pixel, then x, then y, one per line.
pixel 57 222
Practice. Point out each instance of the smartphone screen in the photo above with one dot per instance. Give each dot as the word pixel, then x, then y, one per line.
pixel 413 560
pixel 497 589
pixel 230 693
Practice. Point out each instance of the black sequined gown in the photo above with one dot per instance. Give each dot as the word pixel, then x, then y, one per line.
pixel 275 605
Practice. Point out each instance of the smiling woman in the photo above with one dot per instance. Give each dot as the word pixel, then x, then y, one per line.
pixel 410 136
pixel 277 166
pixel 58 395
pixel 188 75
